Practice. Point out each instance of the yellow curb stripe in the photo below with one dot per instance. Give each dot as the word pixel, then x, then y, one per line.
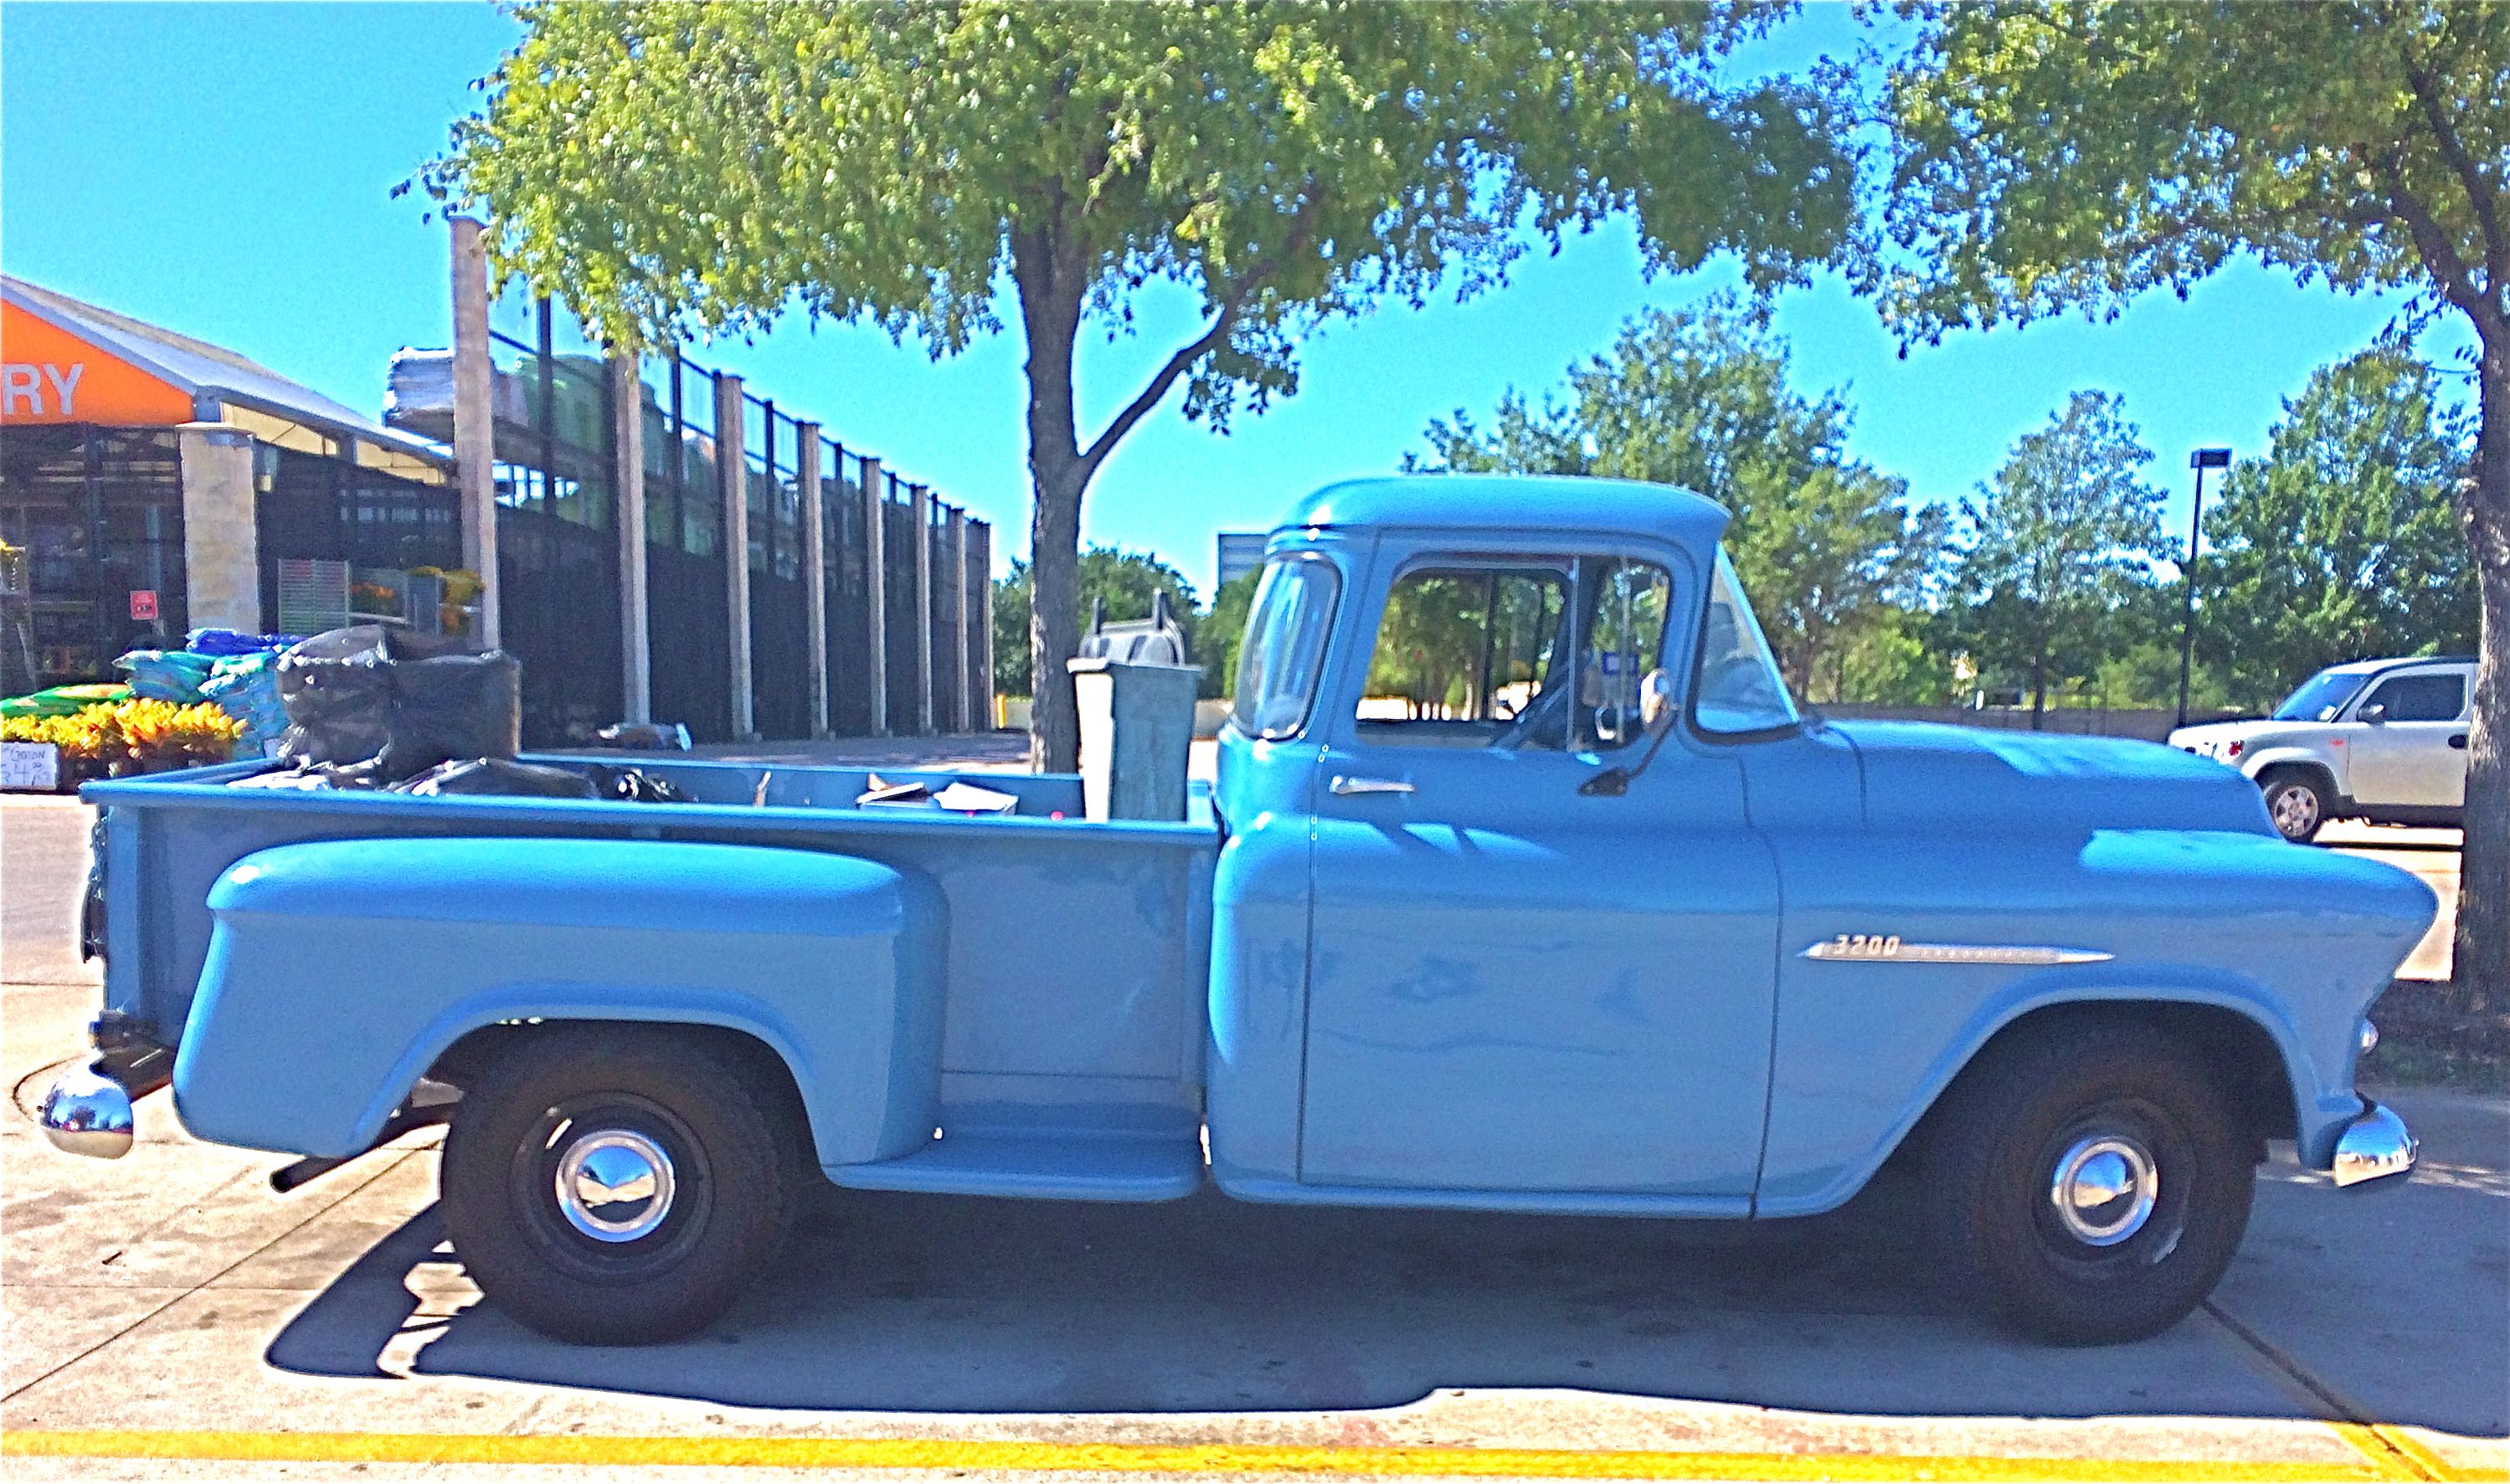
pixel 1132 1457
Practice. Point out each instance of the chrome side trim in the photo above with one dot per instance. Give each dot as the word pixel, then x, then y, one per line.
pixel 2373 1147
pixel 1891 950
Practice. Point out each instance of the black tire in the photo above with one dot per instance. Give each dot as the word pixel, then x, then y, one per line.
pixel 2297 802
pixel 1992 1161
pixel 725 1208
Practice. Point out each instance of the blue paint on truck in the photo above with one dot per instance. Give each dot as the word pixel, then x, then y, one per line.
pixel 1570 942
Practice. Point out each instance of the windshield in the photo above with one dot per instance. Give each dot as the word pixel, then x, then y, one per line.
pixel 1739 688
pixel 2321 696
pixel 1284 647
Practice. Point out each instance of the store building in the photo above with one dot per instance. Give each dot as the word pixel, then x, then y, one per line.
pixel 152 484
pixel 653 539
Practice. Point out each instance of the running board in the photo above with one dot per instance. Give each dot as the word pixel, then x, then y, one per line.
pixel 1078 1153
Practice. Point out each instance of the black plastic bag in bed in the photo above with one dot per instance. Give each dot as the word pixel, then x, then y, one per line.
pixel 498 775
pixel 337 688
pixel 406 701
pixel 454 706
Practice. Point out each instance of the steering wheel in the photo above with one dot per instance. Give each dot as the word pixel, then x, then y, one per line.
pixel 1550 708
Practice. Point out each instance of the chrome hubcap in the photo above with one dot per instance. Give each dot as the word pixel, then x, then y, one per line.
pixel 2104 1190
pixel 2295 810
pixel 614 1185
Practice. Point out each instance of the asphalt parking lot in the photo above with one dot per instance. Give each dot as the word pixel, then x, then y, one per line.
pixel 168 1307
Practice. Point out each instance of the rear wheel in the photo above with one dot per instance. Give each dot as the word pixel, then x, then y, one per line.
pixel 2090 1182
pixel 619 1185
pixel 2296 802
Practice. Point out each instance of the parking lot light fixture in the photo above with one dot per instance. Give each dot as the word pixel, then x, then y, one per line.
pixel 2200 461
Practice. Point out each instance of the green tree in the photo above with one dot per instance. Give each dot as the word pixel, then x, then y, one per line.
pixel 1118 585
pixel 1699 399
pixel 2342 541
pixel 2053 155
pixel 2058 541
pixel 1219 632
pixel 941 169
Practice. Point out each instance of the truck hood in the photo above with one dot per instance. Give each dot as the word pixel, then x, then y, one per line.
pixel 1925 777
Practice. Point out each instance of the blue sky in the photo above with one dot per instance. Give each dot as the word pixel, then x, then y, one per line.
pixel 224 171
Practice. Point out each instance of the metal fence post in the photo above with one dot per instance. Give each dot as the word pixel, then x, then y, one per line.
pixel 876 591
pixel 731 472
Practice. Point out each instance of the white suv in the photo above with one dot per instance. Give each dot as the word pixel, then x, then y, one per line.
pixel 2376 740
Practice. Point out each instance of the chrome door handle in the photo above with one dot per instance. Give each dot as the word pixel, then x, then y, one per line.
pixel 1345 786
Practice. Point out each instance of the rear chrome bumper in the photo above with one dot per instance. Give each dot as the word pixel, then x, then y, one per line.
pixel 2372 1147
pixel 88 1113
pixel 87 1110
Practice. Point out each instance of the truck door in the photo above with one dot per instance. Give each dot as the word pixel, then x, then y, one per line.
pixel 1514 986
pixel 2407 757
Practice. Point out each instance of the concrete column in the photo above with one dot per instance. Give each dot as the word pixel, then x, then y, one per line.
pixel 815 571
pixel 475 426
pixel 981 689
pixel 959 718
pixel 876 586
pixel 221 549
pixel 922 497
pixel 628 507
pixel 731 472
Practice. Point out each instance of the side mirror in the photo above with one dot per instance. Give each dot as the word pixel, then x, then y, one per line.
pixel 1655 715
pixel 2375 715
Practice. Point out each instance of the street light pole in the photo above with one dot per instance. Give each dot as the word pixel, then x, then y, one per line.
pixel 2200 461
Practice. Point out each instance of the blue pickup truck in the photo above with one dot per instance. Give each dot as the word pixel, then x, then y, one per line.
pixel 1524 886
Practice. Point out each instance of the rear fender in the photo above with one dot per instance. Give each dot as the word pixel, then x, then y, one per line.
pixel 338 971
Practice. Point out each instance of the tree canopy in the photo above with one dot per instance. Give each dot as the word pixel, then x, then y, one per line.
pixel 2058 540
pixel 943 169
pixel 1699 397
pixel 2342 541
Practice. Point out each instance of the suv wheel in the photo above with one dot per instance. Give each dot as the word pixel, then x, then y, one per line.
pixel 2296 803
pixel 617 1185
pixel 2088 1181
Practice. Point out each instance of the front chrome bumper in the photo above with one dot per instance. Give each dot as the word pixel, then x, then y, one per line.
pixel 2372 1147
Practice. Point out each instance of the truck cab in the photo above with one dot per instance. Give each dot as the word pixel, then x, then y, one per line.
pixel 1524 885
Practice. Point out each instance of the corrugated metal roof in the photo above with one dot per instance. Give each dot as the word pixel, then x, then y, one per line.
pixel 202 368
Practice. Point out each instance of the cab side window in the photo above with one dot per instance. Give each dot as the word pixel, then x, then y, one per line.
pixel 1543 653
pixel 2421 697
pixel 1464 654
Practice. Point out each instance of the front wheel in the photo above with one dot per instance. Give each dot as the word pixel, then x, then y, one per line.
pixel 617 1185
pixel 2296 803
pixel 2090 1182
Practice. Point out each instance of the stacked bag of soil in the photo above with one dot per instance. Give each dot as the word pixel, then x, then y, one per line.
pixel 370 707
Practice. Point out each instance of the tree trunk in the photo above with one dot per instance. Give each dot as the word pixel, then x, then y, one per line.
pixel 1049 292
pixel 2480 972
pixel 2038 681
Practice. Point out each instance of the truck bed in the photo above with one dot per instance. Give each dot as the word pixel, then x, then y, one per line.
pixel 1076 959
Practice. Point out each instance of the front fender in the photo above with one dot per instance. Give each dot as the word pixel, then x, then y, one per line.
pixel 2320 1109
pixel 339 971
pixel 2254 763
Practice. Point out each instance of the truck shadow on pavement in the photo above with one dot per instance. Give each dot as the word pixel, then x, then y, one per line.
pixel 949 1305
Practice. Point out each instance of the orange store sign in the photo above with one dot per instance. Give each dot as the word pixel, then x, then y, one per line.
pixel 49 375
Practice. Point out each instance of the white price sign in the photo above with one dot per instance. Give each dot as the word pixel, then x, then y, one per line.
pixel 30 765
